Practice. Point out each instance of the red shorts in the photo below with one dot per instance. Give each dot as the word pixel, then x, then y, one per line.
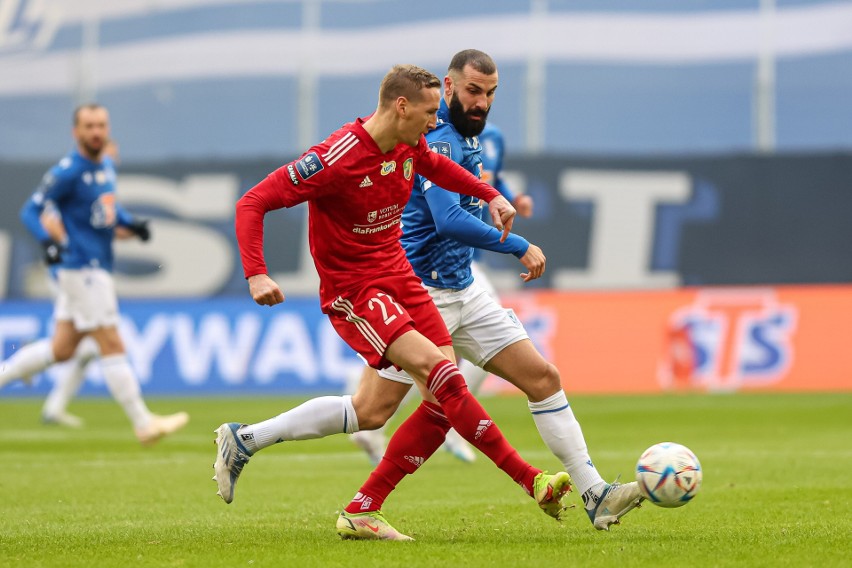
pixel 371 318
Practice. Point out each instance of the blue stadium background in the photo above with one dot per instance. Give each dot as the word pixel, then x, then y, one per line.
pixel 659 76
pixel 735 116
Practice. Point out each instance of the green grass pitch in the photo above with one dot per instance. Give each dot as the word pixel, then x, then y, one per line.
pixel 776 491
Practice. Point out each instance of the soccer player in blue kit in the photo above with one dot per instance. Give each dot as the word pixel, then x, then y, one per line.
pixel 82 188
pixel 440 232
pixel 72 373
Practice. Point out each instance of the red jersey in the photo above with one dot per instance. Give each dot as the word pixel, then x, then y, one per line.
pixel 356 195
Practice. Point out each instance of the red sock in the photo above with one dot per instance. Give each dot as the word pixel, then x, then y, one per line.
pixel 411 445
pixel 471 421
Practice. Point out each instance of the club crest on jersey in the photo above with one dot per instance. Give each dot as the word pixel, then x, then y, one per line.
pixel 408 168
pixel 388 167
pixel 442 148
pixel 103 211
pixel 371 216
pixel 309 165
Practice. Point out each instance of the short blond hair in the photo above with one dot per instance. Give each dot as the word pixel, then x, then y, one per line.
pixel 406 81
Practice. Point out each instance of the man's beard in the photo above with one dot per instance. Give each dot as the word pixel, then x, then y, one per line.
pixel 461 119
pixel 93 151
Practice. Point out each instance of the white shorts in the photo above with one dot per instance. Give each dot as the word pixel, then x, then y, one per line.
pixel 479 326
pixel 481 278
pixel 86 297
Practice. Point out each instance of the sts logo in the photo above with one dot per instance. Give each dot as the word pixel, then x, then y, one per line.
pixel 729 339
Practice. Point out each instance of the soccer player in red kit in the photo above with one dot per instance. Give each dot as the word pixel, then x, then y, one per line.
pixel 357 183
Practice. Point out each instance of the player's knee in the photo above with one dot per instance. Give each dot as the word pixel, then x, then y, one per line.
pixel 373 414
pixel 373 420
pixel 553 380
pixel 62 353
pixel 110 346
pixel 423 366
pixel 545 383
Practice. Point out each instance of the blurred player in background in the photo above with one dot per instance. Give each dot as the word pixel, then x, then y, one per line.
pixel 493 147
pixel 82 188
pixel 357 183
pixel 73 372
pixel 440 232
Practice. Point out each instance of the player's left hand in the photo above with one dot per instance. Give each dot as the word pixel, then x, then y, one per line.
pixel 502 215
pixel 524 205
pixel 141 229
pixel 534 261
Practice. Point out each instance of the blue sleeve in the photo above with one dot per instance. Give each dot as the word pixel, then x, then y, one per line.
pixel 123 218
pixel 454 222
pixel 51 187
pixel 496 136
pixel 31 217
pixel 54 185
pixel 504 190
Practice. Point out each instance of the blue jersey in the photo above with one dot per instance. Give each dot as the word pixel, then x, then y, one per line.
pixel 83 193
pixel 440 228
pixel 493 148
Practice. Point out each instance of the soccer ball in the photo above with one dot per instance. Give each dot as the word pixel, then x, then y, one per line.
pixel 669 474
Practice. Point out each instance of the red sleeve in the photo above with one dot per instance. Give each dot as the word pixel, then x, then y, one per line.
pixel 448 175
pixel 248 223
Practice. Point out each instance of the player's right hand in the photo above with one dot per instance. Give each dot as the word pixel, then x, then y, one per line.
pixel 523 203
pixel 52 251
pixel 141 229
pixel 534 261
pixel 502 215
pixel 264 291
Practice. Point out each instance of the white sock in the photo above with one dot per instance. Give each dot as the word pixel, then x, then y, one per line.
pixel 68 381
pixel 474 376
pixel 28 360
pixel 316 418
pixel 562 433
pixel 68 384
pixel 124 388
pixel 87 350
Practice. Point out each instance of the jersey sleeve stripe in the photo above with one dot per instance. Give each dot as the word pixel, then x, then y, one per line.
pixel 339 148
pixel 343 139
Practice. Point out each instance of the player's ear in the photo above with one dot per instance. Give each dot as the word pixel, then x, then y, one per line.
pixel 401 106
pixel 448 86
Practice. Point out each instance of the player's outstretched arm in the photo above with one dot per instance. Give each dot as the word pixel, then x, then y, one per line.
pixel 534 262
pixel 524 205
pixel 264 290
pixel 502 215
